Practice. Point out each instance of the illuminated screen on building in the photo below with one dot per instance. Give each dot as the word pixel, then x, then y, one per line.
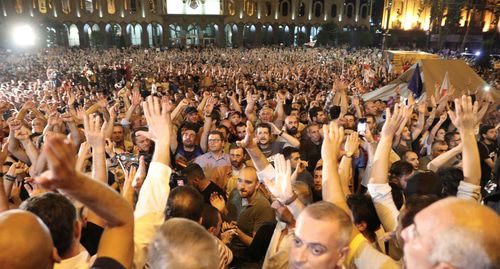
pixel 194 7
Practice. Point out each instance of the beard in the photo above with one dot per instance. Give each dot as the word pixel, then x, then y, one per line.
pixel 292 131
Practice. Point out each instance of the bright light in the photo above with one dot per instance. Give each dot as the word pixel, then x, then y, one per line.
pixel 23 36
pixel 487 88
pixel 477 53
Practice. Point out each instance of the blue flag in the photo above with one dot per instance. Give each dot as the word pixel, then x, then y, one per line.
pixel 415 85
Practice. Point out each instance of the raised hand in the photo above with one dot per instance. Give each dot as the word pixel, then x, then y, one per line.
pixel 332 140
pixel 61 160
pixel 248 141
pixel 443 117
pixel 393 120
pixel 136 98
pixel 158 119
pixel 352 143
pixel 22 135
pixel 217 201
pixel 14 124
pixel 95 131
pixel 465 115
pixel 281 186
pixel 66 117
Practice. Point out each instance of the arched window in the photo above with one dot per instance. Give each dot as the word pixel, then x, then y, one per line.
pixel 284 8
pixel 135 33
pixel 349 10
pixel 268 9
pixel 318 9
pixel 334 11
pixel 364 11
pixel 302 9
pixel 73 36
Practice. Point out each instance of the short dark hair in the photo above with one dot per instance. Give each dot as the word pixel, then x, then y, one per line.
pixel 134 134
pixel 241 124
pixel 451 178
pixel 449 135
pixel 400 168
pixel 235 146
pixel 287 152
pixel 363 209
pixel 58 213
pixel 215 132
pixel 194 170
pixel 484 129
pixel 210 216
pixel 263 125
pixel 184 202
pixel 426 182
pixel 313 112
pixel 415 204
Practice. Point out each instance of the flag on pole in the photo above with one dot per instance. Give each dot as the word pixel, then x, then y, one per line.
pixel 445 86
pixel 415 85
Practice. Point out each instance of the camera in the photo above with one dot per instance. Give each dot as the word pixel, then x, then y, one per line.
pixel 126 160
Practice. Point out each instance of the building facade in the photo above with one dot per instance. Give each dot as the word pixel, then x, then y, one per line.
pixel 476 17
pixel 154 23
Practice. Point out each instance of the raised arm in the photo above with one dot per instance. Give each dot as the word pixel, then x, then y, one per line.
pixel 259 160
pixel 345 168
pixel 281 186
pixel 294 142
pixel 380 168
pixel 443 159
pixel 94 132
pixel 465 119
pixel 117 239
pixel 330 150
pixel 421 120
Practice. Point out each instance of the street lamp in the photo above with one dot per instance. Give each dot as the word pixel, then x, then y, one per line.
pixel 386 32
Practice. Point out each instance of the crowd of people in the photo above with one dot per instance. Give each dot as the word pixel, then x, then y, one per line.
pixel 225 158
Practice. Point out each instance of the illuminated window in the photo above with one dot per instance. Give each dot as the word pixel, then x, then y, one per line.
pixel 73 36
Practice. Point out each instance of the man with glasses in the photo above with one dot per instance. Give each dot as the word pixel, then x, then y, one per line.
pixel 215 163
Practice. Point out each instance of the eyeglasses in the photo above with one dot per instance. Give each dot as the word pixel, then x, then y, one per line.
pixel 214 140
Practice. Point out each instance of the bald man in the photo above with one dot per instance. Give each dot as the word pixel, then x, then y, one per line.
pixel 453 233
pixel 249 208
pixel 25 242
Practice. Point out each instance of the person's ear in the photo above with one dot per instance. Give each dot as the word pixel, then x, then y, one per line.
pixel 342 256
pixel 55 256
pixel 211 230
pixel 77 233
pixel 361 226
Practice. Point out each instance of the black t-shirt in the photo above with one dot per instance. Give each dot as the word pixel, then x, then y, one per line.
pixel 91 235
pixel 486 152
pixel 211 188
pixel 106 263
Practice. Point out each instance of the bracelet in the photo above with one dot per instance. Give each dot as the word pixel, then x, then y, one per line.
pixel 290 200
pixel 10 177
pixel 280 133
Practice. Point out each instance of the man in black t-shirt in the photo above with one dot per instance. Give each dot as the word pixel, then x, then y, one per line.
pixel 197 179
pixel 488 150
